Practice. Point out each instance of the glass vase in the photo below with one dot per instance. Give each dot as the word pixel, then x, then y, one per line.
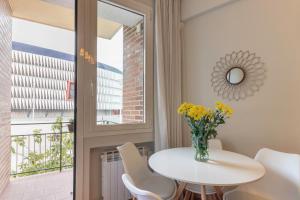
pixel 200 145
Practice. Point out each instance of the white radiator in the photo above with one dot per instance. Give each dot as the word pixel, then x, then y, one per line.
pixel 112 170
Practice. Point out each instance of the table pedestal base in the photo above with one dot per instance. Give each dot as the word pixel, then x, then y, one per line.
pixel 188 194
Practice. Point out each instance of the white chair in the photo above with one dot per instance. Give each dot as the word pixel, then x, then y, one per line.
pixel 136 167
pixel 194 188
pixel 281 181
pixel 136 192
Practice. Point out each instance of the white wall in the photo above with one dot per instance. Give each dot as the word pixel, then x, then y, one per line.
pixel 192 8
pixel 271 29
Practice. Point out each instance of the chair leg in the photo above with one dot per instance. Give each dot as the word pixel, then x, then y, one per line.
pixel 219 192
pixel 214 197
pixel 203 192
pixel 192 196
pixel 180 190
pixel 187 195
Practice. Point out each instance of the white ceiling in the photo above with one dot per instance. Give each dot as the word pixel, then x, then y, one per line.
pixel 60 13
pixel 119 15
pixel 64 3
pixel 106 11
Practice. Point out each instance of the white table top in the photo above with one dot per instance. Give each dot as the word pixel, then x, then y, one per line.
pixel 224 168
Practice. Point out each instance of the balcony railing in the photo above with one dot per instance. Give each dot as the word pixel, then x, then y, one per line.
pixel 43 147
pixel 41 151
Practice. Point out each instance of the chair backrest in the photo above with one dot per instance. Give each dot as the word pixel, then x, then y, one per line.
pixel 282 178
pixel 134 164
pixel 215 144
pixel 136 192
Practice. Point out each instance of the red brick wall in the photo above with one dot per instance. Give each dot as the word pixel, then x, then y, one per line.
pixel 5 85
pixel 133 74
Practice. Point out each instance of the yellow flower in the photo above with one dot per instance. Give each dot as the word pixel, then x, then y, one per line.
pixel 197 112
pixel 227 110
pixel 219 105
pixel 209 114
pixel 184 108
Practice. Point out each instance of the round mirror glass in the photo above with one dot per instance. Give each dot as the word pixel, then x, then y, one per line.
pixel 235 75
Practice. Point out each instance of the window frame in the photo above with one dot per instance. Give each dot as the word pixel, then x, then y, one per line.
pixel 91 128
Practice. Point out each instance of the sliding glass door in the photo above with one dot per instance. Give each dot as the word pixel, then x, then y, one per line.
pixel 43 74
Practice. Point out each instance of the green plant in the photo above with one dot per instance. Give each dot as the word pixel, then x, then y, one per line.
pixel 57 126
pixel 37 136
pixel 60 150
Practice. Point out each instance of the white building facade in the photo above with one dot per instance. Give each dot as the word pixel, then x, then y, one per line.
pixel 43 86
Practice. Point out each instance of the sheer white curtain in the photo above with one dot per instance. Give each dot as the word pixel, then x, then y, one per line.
pixel 168 132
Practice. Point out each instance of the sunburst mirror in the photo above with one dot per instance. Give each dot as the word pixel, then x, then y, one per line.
pixel 238 75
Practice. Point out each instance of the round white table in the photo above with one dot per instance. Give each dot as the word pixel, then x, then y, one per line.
pixel 224 168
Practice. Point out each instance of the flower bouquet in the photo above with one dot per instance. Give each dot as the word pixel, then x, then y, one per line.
pixel 203 123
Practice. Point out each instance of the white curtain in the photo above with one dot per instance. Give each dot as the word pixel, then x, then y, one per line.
pixel 168 132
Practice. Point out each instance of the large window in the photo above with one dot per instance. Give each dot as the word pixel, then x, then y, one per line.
pixel 120 65
pixel 122 75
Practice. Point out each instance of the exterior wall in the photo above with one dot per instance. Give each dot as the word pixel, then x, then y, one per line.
pixel 41 82
pixel 133 74
pixel 109 96
pixel 5 82
pixel 270 29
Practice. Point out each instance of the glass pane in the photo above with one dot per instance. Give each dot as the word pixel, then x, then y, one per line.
pixel 42 98
pixel 120 65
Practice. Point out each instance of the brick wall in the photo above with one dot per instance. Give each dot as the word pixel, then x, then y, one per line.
pixel 5 84
pixel 133 74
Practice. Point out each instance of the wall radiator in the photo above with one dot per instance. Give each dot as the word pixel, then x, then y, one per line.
pixel 112 170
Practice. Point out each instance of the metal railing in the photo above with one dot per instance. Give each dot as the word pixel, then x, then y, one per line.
pixel 41 152
pixel 43 147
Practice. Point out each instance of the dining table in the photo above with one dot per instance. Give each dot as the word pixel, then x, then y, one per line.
pixel 223 168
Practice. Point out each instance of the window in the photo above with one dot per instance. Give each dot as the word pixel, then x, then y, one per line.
pixel 120 65
pixel 122 77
